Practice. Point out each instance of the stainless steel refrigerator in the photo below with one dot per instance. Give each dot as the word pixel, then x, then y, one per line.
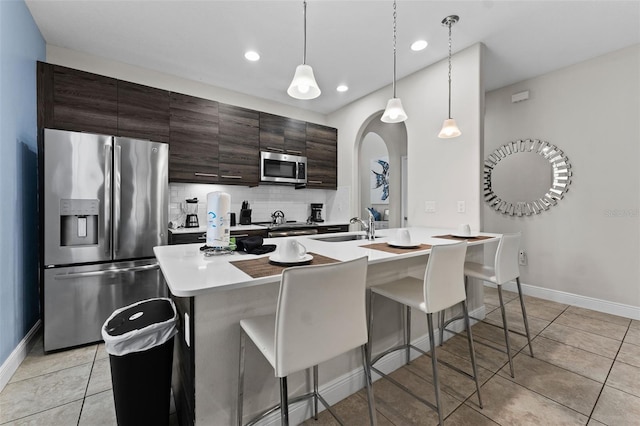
pixel 105 206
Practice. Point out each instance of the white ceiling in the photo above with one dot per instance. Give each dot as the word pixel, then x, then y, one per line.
pixel 348 42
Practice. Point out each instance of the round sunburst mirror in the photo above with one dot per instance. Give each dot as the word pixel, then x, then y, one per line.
pixel 526 177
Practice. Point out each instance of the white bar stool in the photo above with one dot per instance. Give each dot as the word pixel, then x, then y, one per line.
pixel 506 268
pixel 441 288
pixel 321 313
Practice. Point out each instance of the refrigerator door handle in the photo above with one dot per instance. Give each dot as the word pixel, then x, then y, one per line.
pixel 108 171
pixel 117 177
pixel 76 275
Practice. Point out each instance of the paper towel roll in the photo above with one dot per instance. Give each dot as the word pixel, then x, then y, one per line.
pixel 218 206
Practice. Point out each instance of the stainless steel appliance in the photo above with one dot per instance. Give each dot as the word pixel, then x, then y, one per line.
pixel 282 168
pixel 316 212
pixel 105 206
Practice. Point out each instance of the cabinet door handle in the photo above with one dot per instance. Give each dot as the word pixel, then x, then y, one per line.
pixel 205 174
pixel 294 151
pixel 230 177
pixel 240 235
pixel 270 148
pixel 203 236
pixel 334 229
pixel 314 181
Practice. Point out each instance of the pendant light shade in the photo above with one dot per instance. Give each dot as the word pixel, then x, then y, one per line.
pixel 304 85
pixel 449 127
pixel 394 113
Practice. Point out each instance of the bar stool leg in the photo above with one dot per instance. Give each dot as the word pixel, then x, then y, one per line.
pixel 241 377
pixel 524 316
pixel 441 326
pixel 506 330
pixel 370 328
pixel 284 402
pixel 472 351
pixel 315 392
pixel 407 335
pixel 434 365
pixel 367 380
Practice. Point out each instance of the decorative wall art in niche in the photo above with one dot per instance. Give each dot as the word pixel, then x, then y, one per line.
pixel 380 180
pixel 526 177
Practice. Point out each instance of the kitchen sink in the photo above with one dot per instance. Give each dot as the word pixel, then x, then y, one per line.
pixel 340 238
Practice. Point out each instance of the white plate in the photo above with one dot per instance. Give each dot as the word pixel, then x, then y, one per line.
pixel 403 245
pixel 464 236
pixel 275 258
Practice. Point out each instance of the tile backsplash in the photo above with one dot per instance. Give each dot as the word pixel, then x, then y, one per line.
pixel 263 200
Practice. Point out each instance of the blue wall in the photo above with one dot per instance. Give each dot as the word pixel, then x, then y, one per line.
pixel 21 45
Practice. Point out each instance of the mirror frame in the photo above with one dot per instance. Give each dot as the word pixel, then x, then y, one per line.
pixel 561 177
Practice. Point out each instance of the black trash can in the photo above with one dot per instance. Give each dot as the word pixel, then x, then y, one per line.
pixel 139 340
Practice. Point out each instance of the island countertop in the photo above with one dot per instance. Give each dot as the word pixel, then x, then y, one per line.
pixel 189 272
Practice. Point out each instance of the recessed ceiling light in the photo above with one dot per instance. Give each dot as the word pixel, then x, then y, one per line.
pixel 342 88
pixel 418 45
pixel 252 56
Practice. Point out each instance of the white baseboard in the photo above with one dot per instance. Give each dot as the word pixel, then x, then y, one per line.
pixel 599 305
pixel 349 383
pixel 17 356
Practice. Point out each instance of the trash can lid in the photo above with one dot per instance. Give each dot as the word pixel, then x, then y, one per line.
pixel 139 316
pixel 140 326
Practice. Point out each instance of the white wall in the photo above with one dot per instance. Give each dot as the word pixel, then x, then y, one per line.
pixel 589 244
pixel 440 170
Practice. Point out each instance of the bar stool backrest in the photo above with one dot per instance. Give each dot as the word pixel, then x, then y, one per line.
pixel 320 314
pixel 444 277
pixel 506 266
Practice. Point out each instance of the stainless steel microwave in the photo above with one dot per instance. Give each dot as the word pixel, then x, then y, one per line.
pixel 282 168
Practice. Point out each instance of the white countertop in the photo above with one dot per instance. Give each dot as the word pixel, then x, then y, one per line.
pixel 189 272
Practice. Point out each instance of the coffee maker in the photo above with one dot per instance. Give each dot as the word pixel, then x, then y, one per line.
pixel 316 212
pixel 191 209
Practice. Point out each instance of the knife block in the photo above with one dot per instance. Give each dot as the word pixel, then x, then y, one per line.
pixel 245 216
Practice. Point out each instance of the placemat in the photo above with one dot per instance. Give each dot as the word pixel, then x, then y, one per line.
pixel 396 250
pixel 470 239
pixel 261 267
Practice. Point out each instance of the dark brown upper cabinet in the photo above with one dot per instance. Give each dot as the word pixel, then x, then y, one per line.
pixel 239 150
pixel 282 134
pixel 75 100
pixel 322 156
pixel 193 144
pixel 143 112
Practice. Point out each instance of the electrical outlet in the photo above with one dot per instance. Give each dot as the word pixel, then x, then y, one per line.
pixel 522 258
pixel 461 207
pixel 430 206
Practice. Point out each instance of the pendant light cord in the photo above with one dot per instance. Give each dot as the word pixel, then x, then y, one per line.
pixel 304 49
pixel 394 48
pixel 449 25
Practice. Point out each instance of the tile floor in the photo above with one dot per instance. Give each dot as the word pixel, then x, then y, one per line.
pixel 586 371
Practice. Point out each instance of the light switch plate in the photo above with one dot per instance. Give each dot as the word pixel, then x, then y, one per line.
pixel 430 206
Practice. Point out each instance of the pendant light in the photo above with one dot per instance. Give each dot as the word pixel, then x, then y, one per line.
pixel 449 127
pixel 304 84
pixel 394 113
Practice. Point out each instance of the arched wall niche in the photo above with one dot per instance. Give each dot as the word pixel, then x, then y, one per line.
pixel 394 137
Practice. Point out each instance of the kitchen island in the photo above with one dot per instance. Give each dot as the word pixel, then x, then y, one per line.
pixel 213 294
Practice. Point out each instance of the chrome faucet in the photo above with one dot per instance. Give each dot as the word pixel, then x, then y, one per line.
pixel 369 228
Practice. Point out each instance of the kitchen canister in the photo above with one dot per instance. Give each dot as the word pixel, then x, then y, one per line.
pixel 218 210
